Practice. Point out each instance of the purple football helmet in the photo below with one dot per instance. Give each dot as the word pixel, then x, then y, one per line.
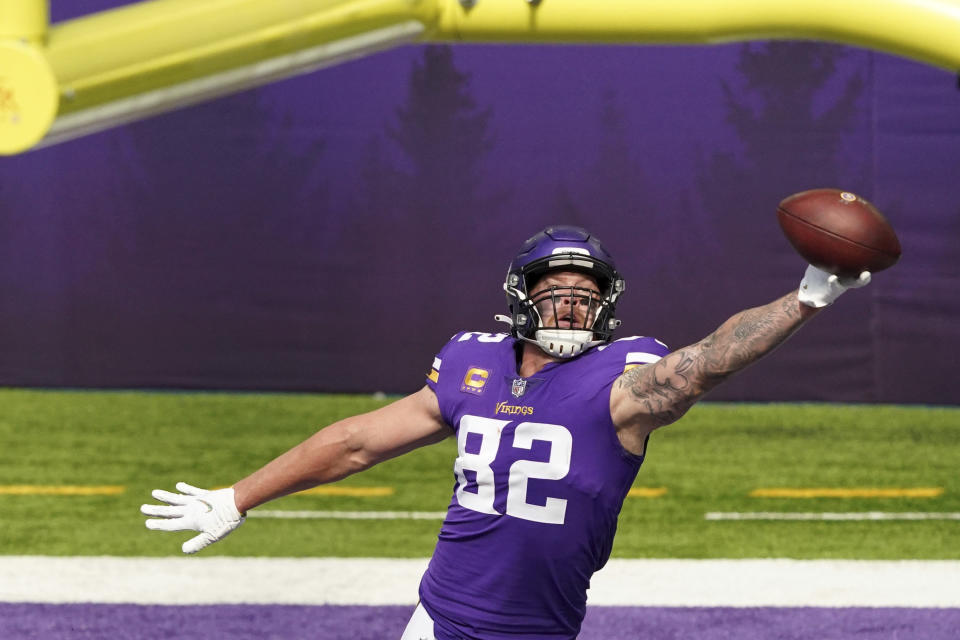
pixel 562 248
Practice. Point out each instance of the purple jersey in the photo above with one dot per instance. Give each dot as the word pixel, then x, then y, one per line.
pixel 540 480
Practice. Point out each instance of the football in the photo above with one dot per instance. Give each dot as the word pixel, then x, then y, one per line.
pixel 839 232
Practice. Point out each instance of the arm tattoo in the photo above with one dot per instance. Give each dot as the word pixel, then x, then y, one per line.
pixel 666 389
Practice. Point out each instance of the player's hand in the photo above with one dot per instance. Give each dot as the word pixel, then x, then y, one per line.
pixel 819 288
pixel 213 513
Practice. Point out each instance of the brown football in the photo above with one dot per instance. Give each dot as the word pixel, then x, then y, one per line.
pixel 838 231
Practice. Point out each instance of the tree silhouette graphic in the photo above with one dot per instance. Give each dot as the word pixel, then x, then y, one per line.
pixel 790 109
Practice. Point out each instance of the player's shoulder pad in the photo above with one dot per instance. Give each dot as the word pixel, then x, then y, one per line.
pixel 478 337
pixel 634 351
pixel 464 343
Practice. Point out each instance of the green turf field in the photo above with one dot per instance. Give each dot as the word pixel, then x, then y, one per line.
pixel 708 462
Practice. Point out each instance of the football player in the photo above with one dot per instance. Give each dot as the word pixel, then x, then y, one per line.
pixel 552 422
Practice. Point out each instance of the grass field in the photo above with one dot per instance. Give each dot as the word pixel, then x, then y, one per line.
pixel 711 461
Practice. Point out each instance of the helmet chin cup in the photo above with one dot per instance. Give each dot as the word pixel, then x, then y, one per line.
pixel 565 343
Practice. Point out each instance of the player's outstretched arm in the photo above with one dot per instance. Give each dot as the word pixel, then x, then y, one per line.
pixel 654 395
pixel 333 453
pixel 346 447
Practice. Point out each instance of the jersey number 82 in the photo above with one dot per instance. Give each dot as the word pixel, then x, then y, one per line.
pixel 489 431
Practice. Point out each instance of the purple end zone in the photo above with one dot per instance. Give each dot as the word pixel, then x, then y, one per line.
pixel 287 622
pixel 238 622
pixel 764 623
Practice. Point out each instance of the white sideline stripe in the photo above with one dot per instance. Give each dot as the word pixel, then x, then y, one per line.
pixel 827 515
pixel 348 515
pixel 372 581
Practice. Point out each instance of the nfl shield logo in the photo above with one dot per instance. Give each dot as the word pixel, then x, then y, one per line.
pixel 519 386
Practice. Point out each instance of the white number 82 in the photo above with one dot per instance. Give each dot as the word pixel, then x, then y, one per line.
pixel 489 431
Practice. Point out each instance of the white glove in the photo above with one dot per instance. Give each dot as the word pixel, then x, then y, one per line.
pixel 213 513
pixel 819 288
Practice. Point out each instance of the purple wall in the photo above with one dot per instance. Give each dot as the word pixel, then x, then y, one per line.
pixel 331 231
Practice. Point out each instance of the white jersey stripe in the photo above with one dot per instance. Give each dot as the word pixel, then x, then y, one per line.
pixel 639 357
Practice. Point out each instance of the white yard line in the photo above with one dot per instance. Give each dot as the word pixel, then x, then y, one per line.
pixel 827 515
pixel 212 580
pixel 348 515
pixel 370 581
pixel 712 515
pixel 779 583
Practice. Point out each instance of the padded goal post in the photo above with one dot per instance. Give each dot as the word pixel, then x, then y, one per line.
pixel 62 81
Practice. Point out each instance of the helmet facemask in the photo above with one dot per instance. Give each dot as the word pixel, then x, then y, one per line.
pixel 565 319
pixel 562 317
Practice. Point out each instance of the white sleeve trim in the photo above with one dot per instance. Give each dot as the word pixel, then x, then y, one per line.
pixel 639 357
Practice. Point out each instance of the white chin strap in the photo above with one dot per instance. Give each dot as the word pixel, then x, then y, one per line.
pixel 565 343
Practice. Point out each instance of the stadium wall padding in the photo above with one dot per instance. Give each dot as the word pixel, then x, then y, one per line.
pixel 330 232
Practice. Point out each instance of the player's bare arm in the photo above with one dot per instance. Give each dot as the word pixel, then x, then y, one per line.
pixel 343 448
pixel 347 447
pixel 651 396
